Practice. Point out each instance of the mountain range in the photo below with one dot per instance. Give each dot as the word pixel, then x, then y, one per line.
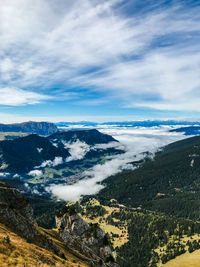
pixel 40 128
pixel 150 212
pixel 139 123
pixel 59 155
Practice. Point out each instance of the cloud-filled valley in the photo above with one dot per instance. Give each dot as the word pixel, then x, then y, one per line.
pixel 135 141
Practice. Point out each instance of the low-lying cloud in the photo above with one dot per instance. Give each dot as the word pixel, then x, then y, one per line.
pixel 77 150
pixel 35 173
pixel 109 145
pixel 52 163
pixel 136 141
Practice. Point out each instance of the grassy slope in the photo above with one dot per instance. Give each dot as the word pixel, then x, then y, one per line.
pixel 185 260
pixel 16 251
pixel 122 231
pixel 186 257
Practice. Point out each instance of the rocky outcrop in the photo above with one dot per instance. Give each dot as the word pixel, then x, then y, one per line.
pixel 17 214
pixel 14 200
pixel 40 128
pixel 77 237
pixel 89 239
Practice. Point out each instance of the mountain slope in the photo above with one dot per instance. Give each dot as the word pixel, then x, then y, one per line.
pixel 54 158
pixel 16 251
pixel 20 234
pixel 90 137
pixel 59 247
pixel 40 128
pixel 169 183
pixel 22 154
pixel 142 238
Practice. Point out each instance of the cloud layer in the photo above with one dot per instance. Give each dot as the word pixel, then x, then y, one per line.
pixel 146 55
pixel 135 141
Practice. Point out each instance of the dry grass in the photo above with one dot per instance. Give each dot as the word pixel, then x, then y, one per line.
pixel 179 260
pixel 71 254
pixel 16 251
pixel 185 260
pixel 108 228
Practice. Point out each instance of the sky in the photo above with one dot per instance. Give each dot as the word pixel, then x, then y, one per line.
pixel 63 60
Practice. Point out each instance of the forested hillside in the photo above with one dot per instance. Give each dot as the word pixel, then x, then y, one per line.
pixel 169 183
pixel 141 238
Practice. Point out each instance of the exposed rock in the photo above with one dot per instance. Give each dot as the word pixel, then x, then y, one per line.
pixel 89 240
pixel 17 214
pixel 83 241
pixel 14 200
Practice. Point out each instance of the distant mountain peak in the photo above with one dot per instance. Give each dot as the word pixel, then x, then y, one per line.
pixel 40 128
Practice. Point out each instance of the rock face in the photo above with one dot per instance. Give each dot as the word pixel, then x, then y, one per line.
pixel 40 128
pixel 89 240
pixel 83 241
pixel 15 200
pixel 17 214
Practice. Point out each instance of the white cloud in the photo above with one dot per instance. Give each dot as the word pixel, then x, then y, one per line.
pixel 77 150
pixel 136 141
pixel 35 173
pixel 4 174
pixel 15 96
pixel 153 56
pixel 57 161
pixel 109 145
pixel 49 163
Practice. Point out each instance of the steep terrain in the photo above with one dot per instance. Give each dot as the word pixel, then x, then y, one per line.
pixel 145 214
pixel 168 183
pixel 141 238
pixel 89 239
pixel 40 128
pixel 23 242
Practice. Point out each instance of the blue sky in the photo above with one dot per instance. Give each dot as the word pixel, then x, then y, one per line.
pixel 63 60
